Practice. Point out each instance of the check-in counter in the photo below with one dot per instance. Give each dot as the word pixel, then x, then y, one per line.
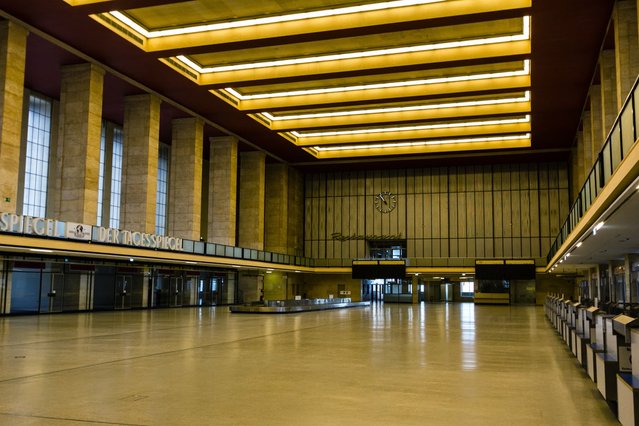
pixel 559 303
pixel 596 341
pixel 565 312
pixel 582 335
pixel 573 309
pixel 607 362
pixel 550 308
pixel 625 327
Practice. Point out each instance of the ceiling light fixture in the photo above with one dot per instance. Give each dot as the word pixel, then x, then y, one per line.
pixel 301 135
pixel 579 244
pixel 265 20
pixel 597 228
pixel 423 143
pixel 37 250
pixel 525 35
pixel 498 101
pixel 438 80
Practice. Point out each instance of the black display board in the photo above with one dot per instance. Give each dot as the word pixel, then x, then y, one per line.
pixel 505 271
pixel 373 269
pixel 371 272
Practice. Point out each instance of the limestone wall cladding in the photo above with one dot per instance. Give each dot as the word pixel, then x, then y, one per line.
pixel 447 213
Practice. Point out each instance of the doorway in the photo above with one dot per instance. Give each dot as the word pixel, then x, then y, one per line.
pixel 123 287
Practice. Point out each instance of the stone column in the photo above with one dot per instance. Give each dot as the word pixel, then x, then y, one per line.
pixel 574 173
pixel 185 177
pixel 587 143
pixel 13 52
pixel 251 214
pixel 596 121
pixel 295 244
pixel 79 143
pixel 276 208
pixel 415 285
pixel 222 211
pixel 626 47
pixel 580 160
pixel 140 163
pixel 609 110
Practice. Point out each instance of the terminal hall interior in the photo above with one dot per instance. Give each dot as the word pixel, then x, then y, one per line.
pixel 460 162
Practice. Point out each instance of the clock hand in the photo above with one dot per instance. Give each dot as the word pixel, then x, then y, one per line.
pixel 381 196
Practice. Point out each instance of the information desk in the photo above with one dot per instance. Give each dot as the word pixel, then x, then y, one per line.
pixel 290 306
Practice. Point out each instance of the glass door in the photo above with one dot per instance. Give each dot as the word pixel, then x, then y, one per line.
pixel 123 284
pixel 176 291
pixel 51 292
pixel 189 294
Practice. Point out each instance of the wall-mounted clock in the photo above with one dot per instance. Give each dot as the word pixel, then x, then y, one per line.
pixel 385 202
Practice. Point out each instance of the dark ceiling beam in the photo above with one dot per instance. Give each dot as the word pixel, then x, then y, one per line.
pixel 107 6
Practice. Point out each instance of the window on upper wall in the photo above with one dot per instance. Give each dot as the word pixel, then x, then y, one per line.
pixel 36 170
pixel 116 178
pixel 164 155
pixel 101 173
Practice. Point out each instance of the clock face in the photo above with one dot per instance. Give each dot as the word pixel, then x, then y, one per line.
pixel 385 202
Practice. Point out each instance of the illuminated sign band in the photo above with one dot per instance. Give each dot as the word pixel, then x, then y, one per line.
pixel 42 227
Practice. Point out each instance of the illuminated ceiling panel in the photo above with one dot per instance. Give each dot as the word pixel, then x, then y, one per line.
pixel 341 78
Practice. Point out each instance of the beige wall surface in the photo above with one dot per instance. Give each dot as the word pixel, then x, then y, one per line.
pixel 451 215
pixel 322 285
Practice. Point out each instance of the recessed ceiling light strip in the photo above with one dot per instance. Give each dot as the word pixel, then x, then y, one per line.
pixel 485 102
pixel 302 135
pixel 438 80
pixel 423 143
pixel 525 35
pixel 266 20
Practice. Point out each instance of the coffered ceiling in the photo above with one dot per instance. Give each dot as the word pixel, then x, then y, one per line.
pixel 323 80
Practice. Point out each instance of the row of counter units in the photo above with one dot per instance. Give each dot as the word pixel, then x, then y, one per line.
pixel 604 345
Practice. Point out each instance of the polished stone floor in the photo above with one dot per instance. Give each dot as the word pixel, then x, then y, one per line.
pixel 445 364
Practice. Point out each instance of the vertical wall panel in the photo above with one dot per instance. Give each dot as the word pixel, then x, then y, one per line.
pixel 411 211
pixel 453 215
pixel 471 214
pixel 443 217
pixel 506 208
pixel 338 246
pixel 554 212
pixel 504 173
pixel 544 212
pixel 516 247
pixel 330 218
pixel 419 220
pixel 462 212
pixel 498 214
pixel 533 177
pixel 534 213
pixel 437 229
pixel 564 206
pixel 515 215
pixel 321 228
pixel 454 248
pixel 361 224
pixel 460 206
